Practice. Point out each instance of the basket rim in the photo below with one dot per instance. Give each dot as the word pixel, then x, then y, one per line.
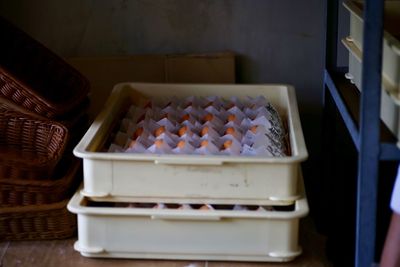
pixel 69 174
pixel 51 158
pixel 34 208
pixel 53 107
pixel 49 104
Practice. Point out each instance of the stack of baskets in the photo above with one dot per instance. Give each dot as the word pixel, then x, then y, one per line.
pixel 185 206
pixel 43 113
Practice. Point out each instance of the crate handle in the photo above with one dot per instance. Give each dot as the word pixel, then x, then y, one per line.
pixel 185 217
pixel 188 161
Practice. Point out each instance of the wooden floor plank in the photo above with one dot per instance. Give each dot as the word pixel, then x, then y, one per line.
pixel 61 254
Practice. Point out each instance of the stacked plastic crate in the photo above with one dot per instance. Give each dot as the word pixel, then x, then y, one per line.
pixel 43 113
pixel 183 206
pixel 390 97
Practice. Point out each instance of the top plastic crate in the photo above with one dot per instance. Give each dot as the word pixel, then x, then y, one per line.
pixel 35 78
pixel 391 42
pixel 180 178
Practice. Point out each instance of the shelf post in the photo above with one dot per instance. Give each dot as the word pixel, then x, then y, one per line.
pixel 368 160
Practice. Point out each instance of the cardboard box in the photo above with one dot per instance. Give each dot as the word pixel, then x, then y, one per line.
pixel 104 72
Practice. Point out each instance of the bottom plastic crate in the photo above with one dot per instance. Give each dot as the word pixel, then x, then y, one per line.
pixel 105 230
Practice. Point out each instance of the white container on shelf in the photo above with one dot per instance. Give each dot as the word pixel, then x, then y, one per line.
pixel 180 178
pixel 389 108
pixel 148 233
pixel 391 42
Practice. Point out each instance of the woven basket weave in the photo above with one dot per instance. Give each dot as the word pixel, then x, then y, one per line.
pixel 37 222
pixel 35 78
pixel 29 148
pixel 20 192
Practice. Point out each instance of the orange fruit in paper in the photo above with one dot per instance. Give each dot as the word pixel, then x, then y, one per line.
pixel 231 117
pixel 185 117
pixel 204 207
pixel 208 117
pixel 204 143
pixel 227 144
pixel 254 128
pixel 181 144
pixel 132 144
pixel 137 133
pixel 204 131
pixel 159 131
pixel 159 143
pixel 230 130
pixel 182 130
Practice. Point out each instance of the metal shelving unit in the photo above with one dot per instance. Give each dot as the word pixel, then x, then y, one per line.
pixel 364 125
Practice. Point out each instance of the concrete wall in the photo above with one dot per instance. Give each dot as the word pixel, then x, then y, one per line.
pixel 278 41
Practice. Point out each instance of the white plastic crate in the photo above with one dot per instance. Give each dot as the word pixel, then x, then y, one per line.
pixel 177 178
pixel 389 106
pixel 391 43
pixel 227 235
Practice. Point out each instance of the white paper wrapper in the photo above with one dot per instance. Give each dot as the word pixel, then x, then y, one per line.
pixel 255 102
pixel 214 101
pixel 171 116
pixel 251 151
pixel 160 206
pixel 143 133
pixel 234 132
pixel 213 120
pixel 192 101
pixel 208 132
pixel 183 147
pixel 147 124
pixel 185 207
pixel 169 138
pixel 159 147
pixel 221 113
pixel 230 146
pixel 263 121
pixel 194 112
pixel 234 102
pixel 207 147
pixel 239 207
pixel 235 115
pixel 168 124
pixel 206 207
pixel 195 142
pixel 171 102
pixel 135 146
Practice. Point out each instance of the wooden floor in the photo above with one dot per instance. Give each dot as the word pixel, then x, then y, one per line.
pixel 61 253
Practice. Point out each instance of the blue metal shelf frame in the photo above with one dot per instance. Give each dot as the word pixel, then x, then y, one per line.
pixel 366 137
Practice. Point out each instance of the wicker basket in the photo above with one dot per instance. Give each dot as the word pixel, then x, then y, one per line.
pixel 29 148
pixel 37 222
pixel 35 78
pixel 20 192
